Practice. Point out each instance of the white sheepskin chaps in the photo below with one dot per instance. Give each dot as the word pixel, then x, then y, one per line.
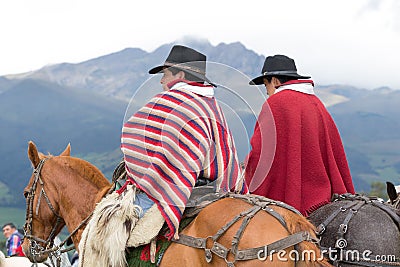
pixel 105 237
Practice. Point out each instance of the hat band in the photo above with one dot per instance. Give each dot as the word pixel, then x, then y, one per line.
pixel 184 66
pixel 280 72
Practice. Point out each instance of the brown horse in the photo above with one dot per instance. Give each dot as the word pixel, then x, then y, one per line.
pixel 64 190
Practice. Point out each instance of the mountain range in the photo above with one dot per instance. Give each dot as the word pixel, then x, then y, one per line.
pixel 85 104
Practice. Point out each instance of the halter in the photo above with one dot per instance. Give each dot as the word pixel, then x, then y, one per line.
pixel 36 249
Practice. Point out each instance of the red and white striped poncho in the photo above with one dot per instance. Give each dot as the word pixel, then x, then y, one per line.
pixel 175 138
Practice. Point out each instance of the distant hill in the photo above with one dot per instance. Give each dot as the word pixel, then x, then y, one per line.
pixel 52 116
pixel 84 104
pixel 369 125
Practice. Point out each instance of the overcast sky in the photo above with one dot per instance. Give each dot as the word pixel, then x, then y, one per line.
pixel 352 42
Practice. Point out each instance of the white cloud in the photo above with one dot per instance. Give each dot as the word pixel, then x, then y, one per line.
pixel 353 42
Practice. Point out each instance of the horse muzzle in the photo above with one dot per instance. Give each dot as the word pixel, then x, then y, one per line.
pixel 33 251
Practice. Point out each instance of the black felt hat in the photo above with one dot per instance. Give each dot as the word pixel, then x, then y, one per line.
pixel 186 59
pixel 278 65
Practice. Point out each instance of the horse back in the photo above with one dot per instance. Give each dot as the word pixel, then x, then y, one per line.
pixel 368 229
pixel 263 229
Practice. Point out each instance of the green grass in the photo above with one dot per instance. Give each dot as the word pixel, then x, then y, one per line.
pixel 383 164
pixel 5 196
pixel 3 189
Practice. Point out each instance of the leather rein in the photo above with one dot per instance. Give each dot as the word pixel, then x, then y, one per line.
pixel 48 247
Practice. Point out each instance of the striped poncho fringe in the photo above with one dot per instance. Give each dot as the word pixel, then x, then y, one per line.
pixel 170 142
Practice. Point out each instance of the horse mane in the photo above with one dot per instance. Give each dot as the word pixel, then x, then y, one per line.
pixel 86 170
pixel 296 223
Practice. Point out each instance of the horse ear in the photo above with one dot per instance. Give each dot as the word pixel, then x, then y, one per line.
pixel 33 154
pixel 67 151
pixel 391 190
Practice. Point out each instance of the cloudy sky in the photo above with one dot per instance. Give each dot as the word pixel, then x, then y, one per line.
pixel 352 42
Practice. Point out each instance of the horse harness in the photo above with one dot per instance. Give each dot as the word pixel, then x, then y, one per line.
pixel 259 204
pixel 203 195
pixel 36 249
pixel 355 204
pixel 396 202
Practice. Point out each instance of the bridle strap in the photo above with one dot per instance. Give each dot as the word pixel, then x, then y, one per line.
pixel 49 248
pixel 30 200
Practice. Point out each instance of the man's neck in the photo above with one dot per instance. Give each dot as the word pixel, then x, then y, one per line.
pixel 302 86
pixel 194 87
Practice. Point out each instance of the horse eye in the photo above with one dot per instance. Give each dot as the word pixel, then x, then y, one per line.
pixel 26 194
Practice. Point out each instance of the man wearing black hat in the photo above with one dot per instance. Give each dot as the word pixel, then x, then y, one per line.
pixel 297 154
pixel 177 141
pixel 178 137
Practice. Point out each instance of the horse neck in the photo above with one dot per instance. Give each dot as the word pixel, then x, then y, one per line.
pixel 82 186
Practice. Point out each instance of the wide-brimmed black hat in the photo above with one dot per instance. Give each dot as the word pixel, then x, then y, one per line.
pixel 186 59
pixel 278 65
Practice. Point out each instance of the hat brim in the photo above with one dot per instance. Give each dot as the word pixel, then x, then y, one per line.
pixel 201 77
pixel 260 79
pixel 157 69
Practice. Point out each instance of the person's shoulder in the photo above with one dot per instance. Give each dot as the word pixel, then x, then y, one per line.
pixel 284 97
pixel 173 94
pixel 288 95
pixel 19 234
pixel 181 93
pixel 16 235
pixel 180 99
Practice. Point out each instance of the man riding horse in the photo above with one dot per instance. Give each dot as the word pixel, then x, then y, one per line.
pixel 297 155
pixel 178 140
pixel 178 137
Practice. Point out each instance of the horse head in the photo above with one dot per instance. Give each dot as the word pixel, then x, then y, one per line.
pixel 394 194
pixel 42 222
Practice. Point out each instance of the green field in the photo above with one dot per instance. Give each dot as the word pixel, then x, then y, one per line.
pixel 14 215
pixel 17 216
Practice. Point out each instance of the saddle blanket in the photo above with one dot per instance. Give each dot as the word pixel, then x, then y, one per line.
pixel 140 256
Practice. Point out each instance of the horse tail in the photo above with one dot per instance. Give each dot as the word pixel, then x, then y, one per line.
pixel 308 250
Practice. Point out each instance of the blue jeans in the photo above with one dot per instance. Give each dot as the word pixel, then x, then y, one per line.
pixel 143 201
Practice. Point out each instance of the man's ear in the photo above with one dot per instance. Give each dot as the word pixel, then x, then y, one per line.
pixel 180 75
pixel 275 81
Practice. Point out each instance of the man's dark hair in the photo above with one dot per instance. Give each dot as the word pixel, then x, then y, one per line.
pixel 9 224
pixel 188 76
pixel 282 79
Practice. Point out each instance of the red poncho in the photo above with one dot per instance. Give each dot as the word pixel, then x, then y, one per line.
pixel 297 154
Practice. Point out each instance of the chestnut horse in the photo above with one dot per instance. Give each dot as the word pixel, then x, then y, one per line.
pixel 64 190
